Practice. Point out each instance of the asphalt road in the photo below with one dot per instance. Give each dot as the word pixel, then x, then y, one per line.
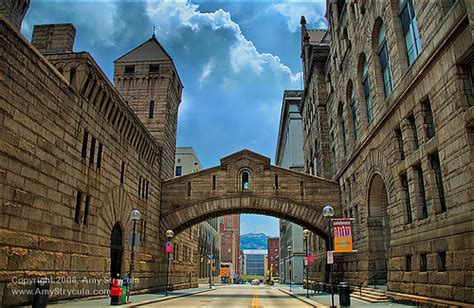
pixel 236 296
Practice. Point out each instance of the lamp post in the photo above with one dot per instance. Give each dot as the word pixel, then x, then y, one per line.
pixel 328 212
pixel 135 216
pixel 306 234
pixel 289 249
pixel 169 236
pixel 210 263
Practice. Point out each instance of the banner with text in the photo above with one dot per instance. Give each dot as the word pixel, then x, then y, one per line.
pixel 342 235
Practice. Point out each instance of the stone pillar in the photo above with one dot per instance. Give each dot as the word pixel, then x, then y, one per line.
pixel 57 38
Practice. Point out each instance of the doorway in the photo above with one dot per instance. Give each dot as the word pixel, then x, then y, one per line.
pixel 379 232
pixel 116 251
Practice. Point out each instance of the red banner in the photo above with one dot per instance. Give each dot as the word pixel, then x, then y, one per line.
pixel 169 246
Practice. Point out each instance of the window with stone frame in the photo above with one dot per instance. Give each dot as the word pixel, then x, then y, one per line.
pixel 469 69
pixel 399 142
pixel 428 121
pixel 408 263
pixel 442 261
pixel 77 212
pixel 384 58
pixel 129 70
pixel 85 139
pixel 406 197
pixel 154 68
pixel 355 120
pixel 406 13
pixel 86 209
pixel 122 172
pixel 366 88
pixel 423 262
pixel 342 126
pixel 151 109
pixel 414 132
pixel 436 167
pixel 421 193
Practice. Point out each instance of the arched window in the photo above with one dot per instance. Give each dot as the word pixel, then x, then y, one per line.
pixel 384 61
pixel 342 124
pixel 355 121
pixel 151 111
pixel 409 29
pixel 245 180
pixel 366 88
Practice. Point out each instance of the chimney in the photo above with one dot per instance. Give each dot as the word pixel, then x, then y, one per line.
pixel 57 38
pixel 14 11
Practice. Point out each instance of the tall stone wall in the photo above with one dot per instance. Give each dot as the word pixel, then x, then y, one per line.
pixel 43 166
pixel 429 248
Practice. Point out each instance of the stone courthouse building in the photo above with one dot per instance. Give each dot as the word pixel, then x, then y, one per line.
pixel 388 112
pixel 77 155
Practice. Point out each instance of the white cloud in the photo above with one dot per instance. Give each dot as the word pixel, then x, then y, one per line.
pixel 243 53
pixel 313 12
pixel 206 72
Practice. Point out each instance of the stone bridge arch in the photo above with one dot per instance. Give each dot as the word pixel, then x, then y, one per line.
pixel 273 191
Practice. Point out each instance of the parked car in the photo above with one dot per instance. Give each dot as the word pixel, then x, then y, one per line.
pixel 255 282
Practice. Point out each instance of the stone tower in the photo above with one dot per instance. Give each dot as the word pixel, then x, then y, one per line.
pixel 14 11
pixel 147 79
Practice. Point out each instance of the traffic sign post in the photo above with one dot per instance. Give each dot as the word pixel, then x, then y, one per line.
pixel 330 257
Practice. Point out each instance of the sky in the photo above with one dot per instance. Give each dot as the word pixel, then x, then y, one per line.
pixel 235 59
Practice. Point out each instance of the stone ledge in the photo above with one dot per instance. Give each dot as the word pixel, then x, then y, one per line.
pixel 402 297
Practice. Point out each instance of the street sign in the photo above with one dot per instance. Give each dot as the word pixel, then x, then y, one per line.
pixel 342 235
pixel 169 246
pixel 330 257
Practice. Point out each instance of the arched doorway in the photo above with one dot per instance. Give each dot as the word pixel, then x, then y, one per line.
pixel 379 232
pixel 116 250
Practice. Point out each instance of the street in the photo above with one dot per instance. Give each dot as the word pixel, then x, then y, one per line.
pixel 236 296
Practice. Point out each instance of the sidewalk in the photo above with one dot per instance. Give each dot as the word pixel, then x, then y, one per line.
pixel 137 300
pixel 324 299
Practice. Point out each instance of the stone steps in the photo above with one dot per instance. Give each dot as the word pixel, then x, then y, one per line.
pixel 369 295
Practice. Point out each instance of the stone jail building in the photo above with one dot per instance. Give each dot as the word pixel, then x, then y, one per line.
pixel 77 154
pixel 388 113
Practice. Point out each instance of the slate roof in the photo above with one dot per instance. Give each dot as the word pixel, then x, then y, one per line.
pixel 150 50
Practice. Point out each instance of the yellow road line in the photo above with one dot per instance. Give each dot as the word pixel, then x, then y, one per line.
pixel 255 299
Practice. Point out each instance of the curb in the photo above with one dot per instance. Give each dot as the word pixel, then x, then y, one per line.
pixel 162 299
pixel 303 299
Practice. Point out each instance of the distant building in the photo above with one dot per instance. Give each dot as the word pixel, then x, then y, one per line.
pixel 207 233
pixel 255 261
pixel 230 241
pixel 289 154
pixel 186 161
pixel 273 256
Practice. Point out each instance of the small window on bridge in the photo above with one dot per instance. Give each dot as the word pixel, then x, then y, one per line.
pixel 245 180
pixel 214 182
pixel 276 182
pixel 189 189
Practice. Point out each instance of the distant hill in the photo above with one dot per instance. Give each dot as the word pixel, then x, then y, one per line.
pixel 253 241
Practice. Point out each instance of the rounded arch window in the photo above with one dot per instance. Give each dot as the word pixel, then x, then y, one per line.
pixel 245 180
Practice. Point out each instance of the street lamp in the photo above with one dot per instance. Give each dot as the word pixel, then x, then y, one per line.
pixel 169 236
pixel 135 215
pixel 328 212
pixel 289 249
pixel 306 234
